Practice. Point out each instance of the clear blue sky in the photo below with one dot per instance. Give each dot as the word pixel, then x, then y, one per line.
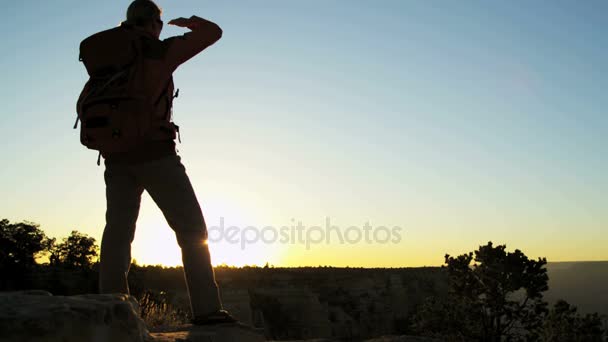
pixel 461 122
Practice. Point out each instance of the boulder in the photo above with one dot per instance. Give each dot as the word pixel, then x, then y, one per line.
pixel 37 316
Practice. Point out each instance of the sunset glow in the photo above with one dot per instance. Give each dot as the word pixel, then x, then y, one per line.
pixel 460 124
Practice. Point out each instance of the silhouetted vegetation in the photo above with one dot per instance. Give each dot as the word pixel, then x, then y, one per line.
pixel 565 324
pixel 490 294
pixel 157 310
pixel 20 245
pixel 75 251
pixel 500 298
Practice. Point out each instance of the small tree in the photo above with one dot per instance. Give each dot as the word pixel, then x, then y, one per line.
pixel 21 243
pixel 497 297
pixel 76 251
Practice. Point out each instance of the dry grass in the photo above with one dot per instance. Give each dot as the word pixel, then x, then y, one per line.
pixel 157 311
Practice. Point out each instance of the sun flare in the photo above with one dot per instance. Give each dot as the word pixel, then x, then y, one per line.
pixel 155 243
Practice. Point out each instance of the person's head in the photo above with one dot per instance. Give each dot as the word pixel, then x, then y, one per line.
pixel 145 14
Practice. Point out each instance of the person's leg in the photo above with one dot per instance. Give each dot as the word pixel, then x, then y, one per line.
pixel 169 186
pixel 123 196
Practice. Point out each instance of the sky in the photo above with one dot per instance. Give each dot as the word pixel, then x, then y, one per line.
pixel 438 125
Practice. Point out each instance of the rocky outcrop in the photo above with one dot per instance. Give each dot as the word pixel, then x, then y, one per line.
pixel 34 316
pixel 38 316
pixel 220 333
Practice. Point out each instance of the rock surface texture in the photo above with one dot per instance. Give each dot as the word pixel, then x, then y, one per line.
pixel 32 316
pixel 38 316
pixel 220 333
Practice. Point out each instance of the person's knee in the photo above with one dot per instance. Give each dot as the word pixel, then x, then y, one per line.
pixel 189 226
pixel 192 238
pixel 118 232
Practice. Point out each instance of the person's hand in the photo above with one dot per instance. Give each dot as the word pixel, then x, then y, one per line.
pixel 190 23
pixel 181 22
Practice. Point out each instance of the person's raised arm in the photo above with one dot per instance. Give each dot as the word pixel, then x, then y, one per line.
pixel 202 35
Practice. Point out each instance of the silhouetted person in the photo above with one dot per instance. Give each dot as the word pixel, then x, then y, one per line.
pixel 154 165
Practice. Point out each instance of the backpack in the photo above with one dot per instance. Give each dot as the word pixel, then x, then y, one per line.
pixel 114 107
